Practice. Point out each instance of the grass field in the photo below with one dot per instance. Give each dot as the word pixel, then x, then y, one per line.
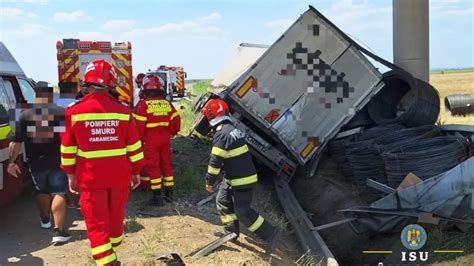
pixel 451 83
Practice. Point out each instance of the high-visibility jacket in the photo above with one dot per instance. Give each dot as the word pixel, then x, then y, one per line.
pixel 101 143
pixel 4 123
pixel 230 155
pixel 157 120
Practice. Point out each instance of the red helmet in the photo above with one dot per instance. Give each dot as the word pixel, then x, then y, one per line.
pixel 152 82
pixel 139 79
pixel 216 111
pixel 100 72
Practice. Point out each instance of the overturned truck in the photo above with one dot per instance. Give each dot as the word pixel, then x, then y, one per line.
pixel 312 85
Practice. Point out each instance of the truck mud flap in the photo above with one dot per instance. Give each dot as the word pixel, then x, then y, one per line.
pixel 309 240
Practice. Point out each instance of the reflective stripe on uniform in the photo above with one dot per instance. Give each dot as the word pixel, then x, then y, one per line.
pixel 134 146
pixel 115 240
pixel 254 227
pixel 106 260
pixel 213 171
pixel 139 117
pixel 136 157
pixel 242 181
pixel 237 151
pixel 69 149
pixel 229 218
pixel 155 181
pixel 230 153
pixel 101 248
pixel 175 114
pixel 4 131
pixel 101 153
pixel 168 181
pixel 160 124
pixel 219 152
pixel 100 116
pixel 143 178
pixel 68 161
pixel 168 178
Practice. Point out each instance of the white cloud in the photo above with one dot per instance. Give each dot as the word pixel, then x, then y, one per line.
pixel 41 2
pixel 360 16
pixel 28 30
pixel 32 15
pixel 119 24
pixel 210 17
pixel 199 25
pixel 74 16
pixel 11 12
pixel 16 13
pixel 280 23
pixel 88 35
pixel 453 12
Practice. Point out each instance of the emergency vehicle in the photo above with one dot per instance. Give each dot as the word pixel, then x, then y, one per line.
pixel 16 90
pixel 174 79
pixel 74 55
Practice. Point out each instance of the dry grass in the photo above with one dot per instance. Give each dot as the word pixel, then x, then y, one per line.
pixel 452 83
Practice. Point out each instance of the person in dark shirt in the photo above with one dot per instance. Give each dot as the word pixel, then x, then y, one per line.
pixel 39 127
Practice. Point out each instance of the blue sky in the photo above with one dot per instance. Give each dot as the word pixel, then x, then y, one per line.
pixel 202 35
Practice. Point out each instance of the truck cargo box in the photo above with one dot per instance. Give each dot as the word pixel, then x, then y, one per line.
pixel 306 86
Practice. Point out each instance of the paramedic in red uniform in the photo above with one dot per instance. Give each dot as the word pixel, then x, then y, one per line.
pixel 157 121
pixel 102 155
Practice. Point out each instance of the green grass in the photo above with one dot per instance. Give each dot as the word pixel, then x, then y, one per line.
pixel 450 71
pixel 190 165
pixel 199 88
pixel 132 225
pixel 450 239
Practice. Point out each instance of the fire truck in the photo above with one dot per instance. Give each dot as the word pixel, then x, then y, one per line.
pixel 74 55
pixel 174 79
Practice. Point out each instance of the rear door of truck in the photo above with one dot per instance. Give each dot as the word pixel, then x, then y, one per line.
pixel 306 86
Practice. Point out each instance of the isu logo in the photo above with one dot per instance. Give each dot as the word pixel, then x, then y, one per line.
pixel 413 238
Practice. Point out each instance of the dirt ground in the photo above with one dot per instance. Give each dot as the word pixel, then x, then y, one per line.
pixel 179 228
pixel 150 231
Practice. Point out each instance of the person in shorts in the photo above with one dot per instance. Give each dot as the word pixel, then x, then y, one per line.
pixel 38 127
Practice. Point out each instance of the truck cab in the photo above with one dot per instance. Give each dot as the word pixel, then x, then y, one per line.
pixel 16 91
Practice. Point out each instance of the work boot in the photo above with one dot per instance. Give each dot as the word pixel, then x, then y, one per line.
pixel 271 242
pixel 156 199
pixel 169 194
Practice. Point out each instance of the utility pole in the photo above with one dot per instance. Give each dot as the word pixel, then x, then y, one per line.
pixel 411 47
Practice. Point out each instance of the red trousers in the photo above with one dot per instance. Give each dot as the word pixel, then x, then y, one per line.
pixel 158 163
pixel 104 211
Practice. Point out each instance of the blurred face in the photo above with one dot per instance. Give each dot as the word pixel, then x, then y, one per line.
pixel 44 123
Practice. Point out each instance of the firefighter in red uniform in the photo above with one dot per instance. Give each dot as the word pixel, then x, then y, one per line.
pixel 157 121
pixel 101 153
pixel 230 155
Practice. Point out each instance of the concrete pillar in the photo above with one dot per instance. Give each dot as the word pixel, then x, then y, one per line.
pixel 411 37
